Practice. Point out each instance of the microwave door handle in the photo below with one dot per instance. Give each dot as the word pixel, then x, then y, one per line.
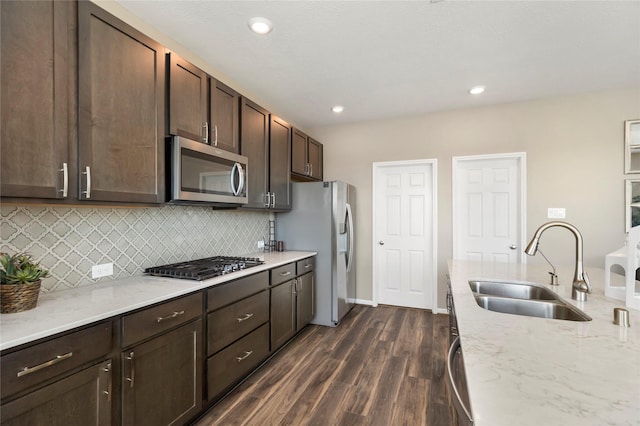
pixel 234 191
pixel 237 168
pixel 241 178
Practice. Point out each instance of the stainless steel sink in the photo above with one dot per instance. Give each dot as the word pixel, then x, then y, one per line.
pixel 512 290
pixel 556 309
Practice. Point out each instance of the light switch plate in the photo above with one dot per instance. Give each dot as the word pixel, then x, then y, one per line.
pixel 556 213
pixel 104 270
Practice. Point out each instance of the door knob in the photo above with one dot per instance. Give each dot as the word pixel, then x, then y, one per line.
pixel 513 247
pixel 381 243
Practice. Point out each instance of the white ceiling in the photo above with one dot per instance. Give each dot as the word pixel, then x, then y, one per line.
pixel 392 58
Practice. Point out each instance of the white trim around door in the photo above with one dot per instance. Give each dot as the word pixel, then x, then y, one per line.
pixel 474 168
pixel 431 192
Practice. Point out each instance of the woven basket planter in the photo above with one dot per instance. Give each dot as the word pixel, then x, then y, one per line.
pixel 18 297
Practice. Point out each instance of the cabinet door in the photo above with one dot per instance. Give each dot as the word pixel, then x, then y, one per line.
pixel 162 378
pixel 82 399
pixel 187 99
pixel 315 159
pixel 36 79
pixel 121 122
pixel 254 144
pixel 279 164
pixel 299 153
pixel 283 314
pixel 305 306
pixel 225 108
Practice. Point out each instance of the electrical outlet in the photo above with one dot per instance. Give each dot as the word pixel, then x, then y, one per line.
pixel 261 244
pixel 104 270
pixel 556 213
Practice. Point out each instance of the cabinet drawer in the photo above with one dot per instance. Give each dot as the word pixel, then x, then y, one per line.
pixel 225 294
pixel 147 323
pixel 83 398
pixel 231 364
pixel 234 321
pixel 33 365
pixel 283 273
pixel 305 265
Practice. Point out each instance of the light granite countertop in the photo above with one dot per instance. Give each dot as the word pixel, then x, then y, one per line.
pixel 533 371
pixel 64 310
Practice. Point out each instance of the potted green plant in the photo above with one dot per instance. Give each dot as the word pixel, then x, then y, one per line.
pixel 20 279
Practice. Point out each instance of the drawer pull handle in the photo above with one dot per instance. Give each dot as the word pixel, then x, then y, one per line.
pixel 284 274
pixel 245 317
pixel 245 356
pixel 57 359
pixel 307 266
pixel 173 315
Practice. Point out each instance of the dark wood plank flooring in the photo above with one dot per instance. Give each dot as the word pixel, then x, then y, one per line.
pixel 381 366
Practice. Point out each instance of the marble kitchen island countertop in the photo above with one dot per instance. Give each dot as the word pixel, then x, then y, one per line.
pixel 533 371
pixel 61 311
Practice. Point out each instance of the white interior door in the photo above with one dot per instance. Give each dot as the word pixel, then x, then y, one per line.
pixel 404 245
pixel 488 208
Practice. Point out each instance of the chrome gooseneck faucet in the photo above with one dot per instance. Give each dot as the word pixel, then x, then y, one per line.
pixel 581 284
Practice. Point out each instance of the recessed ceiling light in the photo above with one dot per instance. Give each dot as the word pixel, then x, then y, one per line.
pixel 337 109
pixel 260 25
pixel 476 90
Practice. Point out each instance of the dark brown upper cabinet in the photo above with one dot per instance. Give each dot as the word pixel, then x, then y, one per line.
pixel 279 164
pixel 306 157
pixel 200 107
pixel 121 110
pixel 225 110
pixel 188 115
pixel 254 136
pixel 266 141
pixel 37 79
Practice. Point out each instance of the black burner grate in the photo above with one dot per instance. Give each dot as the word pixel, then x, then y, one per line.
pixel 202 269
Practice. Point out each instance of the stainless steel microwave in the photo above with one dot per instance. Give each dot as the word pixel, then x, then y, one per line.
pixel 202 174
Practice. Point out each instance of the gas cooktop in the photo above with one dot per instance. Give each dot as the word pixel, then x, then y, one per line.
pixel 202 269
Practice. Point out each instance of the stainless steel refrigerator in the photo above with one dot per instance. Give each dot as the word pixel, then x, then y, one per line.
pixel 321 220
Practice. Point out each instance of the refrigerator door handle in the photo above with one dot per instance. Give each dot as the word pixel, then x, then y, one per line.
pixel 350 236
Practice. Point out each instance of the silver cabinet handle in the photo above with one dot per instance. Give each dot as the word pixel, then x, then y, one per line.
pixel 215 129
pixel 205 139
pixel 307 266
pixel 107 370
pixel 310 169
pixel 284 274
pixel 132 372
pixel 88 173
pixel 381 243
pixel 173 315
pixel 246 355
pixel 457 400
pixel 65 180
pixel 267 198
pixel 513 246
pixel 244 318
pixel 57 359
pixel 273 200
pixel 294 288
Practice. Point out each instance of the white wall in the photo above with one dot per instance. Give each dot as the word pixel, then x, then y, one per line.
pixel 574 149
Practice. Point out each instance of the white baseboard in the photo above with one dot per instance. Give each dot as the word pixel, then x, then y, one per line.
pixel 370 303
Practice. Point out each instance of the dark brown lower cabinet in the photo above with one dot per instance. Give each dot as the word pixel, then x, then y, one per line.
pixel 304 300
pixel 231 364
pixel 283 313
pixel 82 399
pixel 162 378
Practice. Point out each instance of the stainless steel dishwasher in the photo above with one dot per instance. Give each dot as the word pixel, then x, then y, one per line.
pixel 455 367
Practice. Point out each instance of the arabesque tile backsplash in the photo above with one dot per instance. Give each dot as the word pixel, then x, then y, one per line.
pixel 68 241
